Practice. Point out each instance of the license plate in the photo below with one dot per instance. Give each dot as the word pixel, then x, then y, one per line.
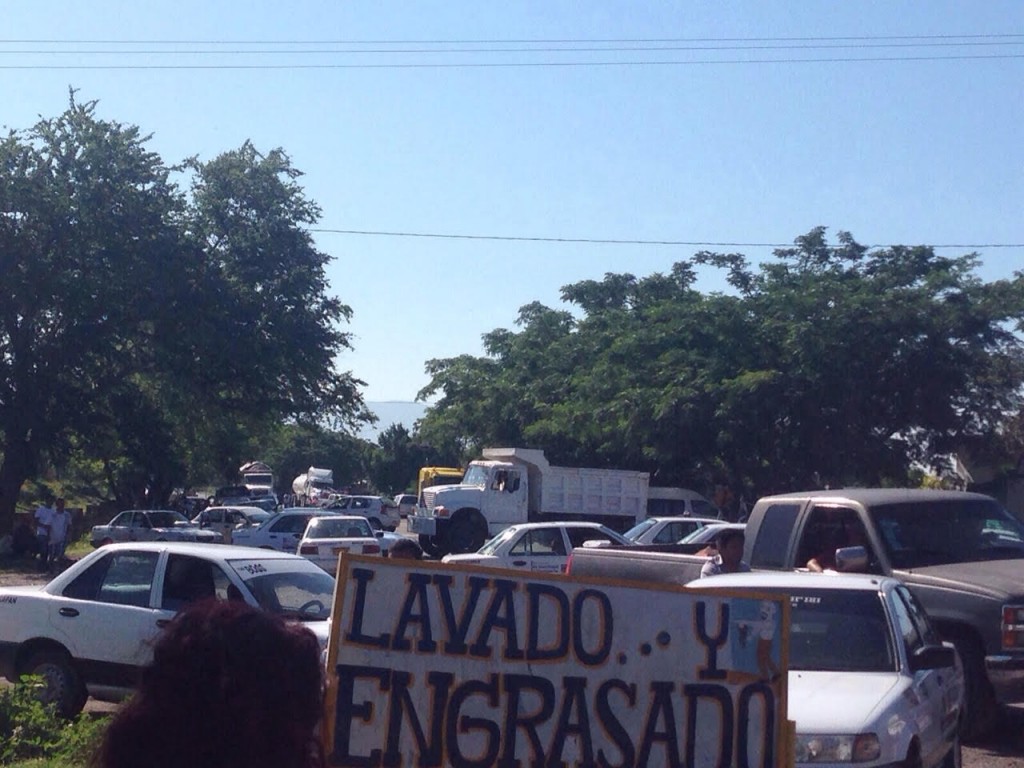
pixel 339 550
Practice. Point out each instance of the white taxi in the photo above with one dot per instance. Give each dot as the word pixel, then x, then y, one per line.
pixel 90 631
pixel 543 547
pixel 869 682
pixel 327 536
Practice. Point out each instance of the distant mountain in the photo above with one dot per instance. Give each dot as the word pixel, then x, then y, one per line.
pixel 391 412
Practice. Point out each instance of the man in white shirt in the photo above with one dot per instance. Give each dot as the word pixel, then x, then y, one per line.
pixel 60 526
pixel 730 555
pixel 43 516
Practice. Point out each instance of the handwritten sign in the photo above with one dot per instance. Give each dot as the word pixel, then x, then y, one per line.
pixel 445 665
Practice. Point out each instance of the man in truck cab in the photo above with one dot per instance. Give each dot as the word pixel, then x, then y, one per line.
pixel 830 529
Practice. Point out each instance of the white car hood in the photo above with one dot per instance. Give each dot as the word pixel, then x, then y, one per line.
pixel 839 702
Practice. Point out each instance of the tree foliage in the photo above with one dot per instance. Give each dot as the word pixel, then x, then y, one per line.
pixel 152 328
pixel 831 364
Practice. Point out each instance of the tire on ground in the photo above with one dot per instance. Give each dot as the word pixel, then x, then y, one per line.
pixel 429 546
pixel 981 710
pixel 62 687
pixel 467 532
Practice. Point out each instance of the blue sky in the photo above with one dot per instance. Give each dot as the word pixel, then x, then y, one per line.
pixel 918 150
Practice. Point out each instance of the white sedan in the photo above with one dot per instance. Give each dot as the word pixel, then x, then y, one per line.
pixel 538 546
pixel 666 530
pixel 150 525
pixel 90 631
pixel 280 531
pixel 327 536
pixel 870 683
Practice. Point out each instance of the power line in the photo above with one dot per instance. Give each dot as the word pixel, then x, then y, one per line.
pixel 562 49
pixel 607 241
pixel 506 65
pixel 540 41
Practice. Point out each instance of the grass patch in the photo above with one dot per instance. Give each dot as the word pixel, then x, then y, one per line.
pixel 31 733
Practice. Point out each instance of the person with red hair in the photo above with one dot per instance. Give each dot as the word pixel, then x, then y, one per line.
pixel 229 686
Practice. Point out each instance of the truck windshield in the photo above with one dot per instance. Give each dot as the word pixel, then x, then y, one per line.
pixel 475 475
pixel 938 533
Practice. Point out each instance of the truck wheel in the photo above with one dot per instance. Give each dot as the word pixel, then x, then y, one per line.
pixel 913 757
pixel 980 707
pixel 467 533
pixel 61 685
pixel 954 758
pixel 428 545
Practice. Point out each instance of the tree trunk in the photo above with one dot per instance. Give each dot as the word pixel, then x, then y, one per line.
pixel 18 465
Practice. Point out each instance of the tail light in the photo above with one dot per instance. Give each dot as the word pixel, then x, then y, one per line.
pixel 371 549
pixel 309 549
pixel 1013 627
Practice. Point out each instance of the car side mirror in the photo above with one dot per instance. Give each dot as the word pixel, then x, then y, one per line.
pixel 852 559
pixel 379 534
pixel 933 657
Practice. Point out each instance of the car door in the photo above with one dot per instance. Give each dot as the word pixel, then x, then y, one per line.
pixel 119 529
pixel 284 534
pixel 539 549
pixel 141 530
pixel 928 707
pixel 105 619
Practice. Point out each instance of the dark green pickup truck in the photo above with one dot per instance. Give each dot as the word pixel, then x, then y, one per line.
pixel 961 554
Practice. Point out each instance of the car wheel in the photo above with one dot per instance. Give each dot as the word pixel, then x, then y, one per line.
pixel 62 686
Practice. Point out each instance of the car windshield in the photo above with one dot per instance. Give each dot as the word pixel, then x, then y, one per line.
pixel 492 545
pixel 838 630
pixel 637 530
pixel 166 519
pixel 334 528
pixel 292 588
pixel 702 535
pixel 955 531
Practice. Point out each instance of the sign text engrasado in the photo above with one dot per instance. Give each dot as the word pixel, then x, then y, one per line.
pixel 438 665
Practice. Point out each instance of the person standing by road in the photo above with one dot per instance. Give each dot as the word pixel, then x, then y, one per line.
pixel 43 517
pixel 60 527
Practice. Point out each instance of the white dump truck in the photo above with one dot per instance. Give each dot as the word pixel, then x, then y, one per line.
pixel 313 486
pixel 518 485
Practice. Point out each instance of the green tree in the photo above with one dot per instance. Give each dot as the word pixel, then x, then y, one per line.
pixel 157 331
pixel 395 461
pixel 830 364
